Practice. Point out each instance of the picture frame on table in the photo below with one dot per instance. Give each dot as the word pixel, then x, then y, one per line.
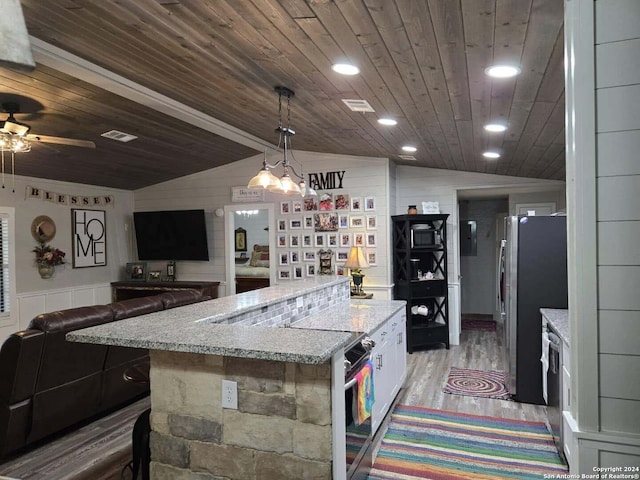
pixel 154 276
pixel 136 271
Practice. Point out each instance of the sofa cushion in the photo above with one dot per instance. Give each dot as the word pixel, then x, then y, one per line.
pixel 178 298
pixel 136 306
pixel 72 318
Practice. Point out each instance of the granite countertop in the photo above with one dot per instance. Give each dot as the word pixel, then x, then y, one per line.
pixel 196 329
pixel 363 316
pixel 559 321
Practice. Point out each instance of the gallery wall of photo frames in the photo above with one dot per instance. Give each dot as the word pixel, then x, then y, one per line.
pixel 314 234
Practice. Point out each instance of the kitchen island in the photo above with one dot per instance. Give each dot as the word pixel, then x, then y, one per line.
pixel 283 346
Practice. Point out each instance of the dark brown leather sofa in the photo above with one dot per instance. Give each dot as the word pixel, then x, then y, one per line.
pixel 48 384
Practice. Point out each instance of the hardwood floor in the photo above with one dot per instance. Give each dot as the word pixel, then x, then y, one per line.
pixel 99 450
pixel 428 371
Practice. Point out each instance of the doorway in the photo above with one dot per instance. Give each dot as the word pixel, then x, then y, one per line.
pixel 248 226
pixel 480 236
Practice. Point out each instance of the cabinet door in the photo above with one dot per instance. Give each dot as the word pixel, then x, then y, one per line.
pixel 382 389
pixel 400 346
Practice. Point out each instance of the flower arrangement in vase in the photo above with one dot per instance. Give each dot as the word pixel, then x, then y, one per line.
pixel 47 257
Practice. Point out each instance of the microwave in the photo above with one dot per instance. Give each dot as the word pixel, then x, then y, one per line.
pixel 423 235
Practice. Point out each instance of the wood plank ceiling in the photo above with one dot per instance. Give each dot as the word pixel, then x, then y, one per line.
pixel 422 62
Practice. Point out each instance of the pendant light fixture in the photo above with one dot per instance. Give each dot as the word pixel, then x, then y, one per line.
pixel 285 184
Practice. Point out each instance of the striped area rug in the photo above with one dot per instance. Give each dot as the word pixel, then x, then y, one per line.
pixel 440 445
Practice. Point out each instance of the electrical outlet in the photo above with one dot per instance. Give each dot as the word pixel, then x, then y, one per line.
pixel 229 394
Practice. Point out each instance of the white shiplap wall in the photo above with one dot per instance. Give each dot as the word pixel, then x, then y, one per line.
pixel 415 185
pixel 617 60
pixel 364 176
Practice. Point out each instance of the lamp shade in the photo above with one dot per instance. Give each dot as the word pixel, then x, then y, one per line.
pixel 264 179
pixel 356 259
pixel 287 186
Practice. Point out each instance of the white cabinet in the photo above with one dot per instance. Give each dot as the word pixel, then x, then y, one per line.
pixel 389 365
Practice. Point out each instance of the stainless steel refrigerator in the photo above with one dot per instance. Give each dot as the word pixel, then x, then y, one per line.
pixel 533 275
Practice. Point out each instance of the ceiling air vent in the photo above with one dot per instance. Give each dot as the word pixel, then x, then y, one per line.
pixel 119 136
pixel 407 157
pixel 358 105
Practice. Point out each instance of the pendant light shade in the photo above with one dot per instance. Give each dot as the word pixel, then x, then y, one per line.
pixel 264 179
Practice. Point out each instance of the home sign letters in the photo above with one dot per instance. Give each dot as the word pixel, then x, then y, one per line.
pixel 89 238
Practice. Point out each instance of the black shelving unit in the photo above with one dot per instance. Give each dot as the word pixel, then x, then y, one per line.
pixel 420 244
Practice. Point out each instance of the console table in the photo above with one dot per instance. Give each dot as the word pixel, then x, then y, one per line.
pixel 125 290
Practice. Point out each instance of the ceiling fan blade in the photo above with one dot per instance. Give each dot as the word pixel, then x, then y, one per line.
pixel 61 141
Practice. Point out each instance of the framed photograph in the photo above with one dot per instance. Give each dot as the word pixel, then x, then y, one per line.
pixel 341 201
pixel 295 224
pixel 319 240
pixel 343 220
pixel 356 204
pixel 297 272
pixel 372 222
pixel 369 204
pixel 326 202
pixel 309 256
pixel 356 221
pixel 325 222
pixel 342 255
pixel 284 258
pixel 171 270
pixel 311 270
pixel 284 274
pixel 282 225
pixel 240 237
pixel 307 221
pixel 340 270
pixel 89 238
pixel 282 240
pixel 294 241
pixel 296 206
pixel 294 256
pixel 310 204
pixel 372 259
pixel 285 208
pixel 345 239
pixel 332 239
pixel 370 239
pixel 307 240
pixel 358 239
pixel 154 276
pixel 136 271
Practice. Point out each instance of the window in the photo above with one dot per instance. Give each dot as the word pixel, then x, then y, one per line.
pixel 7 262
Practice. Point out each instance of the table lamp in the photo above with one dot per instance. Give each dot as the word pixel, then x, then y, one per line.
pixel 356 262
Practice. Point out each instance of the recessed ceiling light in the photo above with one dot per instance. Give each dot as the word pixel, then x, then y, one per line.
pixel 503 71
pixel 491 155
pixel 495 127
pixel 345 69
pixel 387 121
pixel 409 148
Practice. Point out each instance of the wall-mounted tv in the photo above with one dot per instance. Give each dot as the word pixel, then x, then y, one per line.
pixel 171 235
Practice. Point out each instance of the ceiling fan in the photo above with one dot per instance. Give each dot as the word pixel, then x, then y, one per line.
pixel 16 137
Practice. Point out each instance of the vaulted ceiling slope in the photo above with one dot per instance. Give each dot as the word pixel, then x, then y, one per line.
pixel 422 62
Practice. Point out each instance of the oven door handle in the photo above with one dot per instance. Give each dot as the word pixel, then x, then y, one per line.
pixel 354 380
